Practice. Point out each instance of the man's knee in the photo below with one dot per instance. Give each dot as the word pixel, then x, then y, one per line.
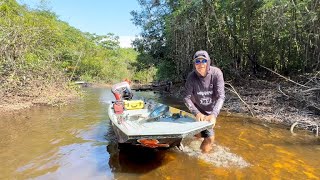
pixel 207 133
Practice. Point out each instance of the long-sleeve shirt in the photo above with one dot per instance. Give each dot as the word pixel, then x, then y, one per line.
pixel 205 94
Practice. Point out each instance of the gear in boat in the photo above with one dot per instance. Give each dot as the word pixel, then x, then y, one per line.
pixel 149 124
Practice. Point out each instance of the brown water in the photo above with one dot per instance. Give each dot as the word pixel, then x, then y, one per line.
pixel 76 142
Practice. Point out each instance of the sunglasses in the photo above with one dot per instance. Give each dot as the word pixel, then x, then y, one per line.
pixel 203 61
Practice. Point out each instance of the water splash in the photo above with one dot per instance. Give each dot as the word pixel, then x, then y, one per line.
pixel 219 156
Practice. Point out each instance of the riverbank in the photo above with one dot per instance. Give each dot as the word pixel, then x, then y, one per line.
pixel 40 93
pixel 53 97
pixel 277 101
pixel 272 102
pixel 56 94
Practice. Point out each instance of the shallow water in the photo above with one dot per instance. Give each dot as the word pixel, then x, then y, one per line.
pixel 76 142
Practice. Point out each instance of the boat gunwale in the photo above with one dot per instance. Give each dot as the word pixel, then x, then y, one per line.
pixel 127 136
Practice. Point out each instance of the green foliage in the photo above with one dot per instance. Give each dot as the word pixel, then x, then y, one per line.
pixel 240 35
pixel 109 41
pixel 165 71
pixel 87 78
pixel 146 75
pixel 37 39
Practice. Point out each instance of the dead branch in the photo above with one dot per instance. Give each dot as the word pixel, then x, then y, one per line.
pixel 279 88
pixel 305 125
pixel 292 127
pixel 312 89
pixel 312 78
pixel 235 92
pixel 284 77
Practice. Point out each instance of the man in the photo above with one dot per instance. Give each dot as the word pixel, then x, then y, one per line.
pixel 205 94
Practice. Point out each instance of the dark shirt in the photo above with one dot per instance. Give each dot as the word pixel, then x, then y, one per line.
pixel 205 94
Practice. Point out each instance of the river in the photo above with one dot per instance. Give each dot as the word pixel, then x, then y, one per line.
pixel 77 142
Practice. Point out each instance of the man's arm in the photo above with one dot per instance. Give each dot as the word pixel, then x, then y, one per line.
pixel 187 97
pixel 219 83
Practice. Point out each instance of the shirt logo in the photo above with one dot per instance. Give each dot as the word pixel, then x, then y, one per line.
pixel 205 101
pixel 204 93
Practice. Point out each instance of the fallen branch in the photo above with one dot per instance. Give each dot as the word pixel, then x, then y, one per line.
pixel 305 125
pixel 284 77
pixel 292 127
pixel 312 78
pixel 312 89
pixel 235 92
pixel 279 88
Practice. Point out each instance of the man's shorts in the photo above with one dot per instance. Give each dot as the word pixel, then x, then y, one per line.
pixel 207 133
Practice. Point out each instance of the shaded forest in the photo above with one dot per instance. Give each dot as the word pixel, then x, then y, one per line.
pixel 244 37
pixel 268 51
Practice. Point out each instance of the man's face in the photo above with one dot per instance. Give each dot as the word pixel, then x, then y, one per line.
pixel 201 66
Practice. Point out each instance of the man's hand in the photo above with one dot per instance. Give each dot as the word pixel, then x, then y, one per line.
pixel 200 117
pixel 212 119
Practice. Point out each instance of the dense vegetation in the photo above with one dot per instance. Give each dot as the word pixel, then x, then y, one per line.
pixel 40 55
pixel 37 40
pixel 242 36
pixel 37 50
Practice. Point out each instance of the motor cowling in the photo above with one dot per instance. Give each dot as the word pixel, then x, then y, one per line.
pixel 122 91
pixel 118 107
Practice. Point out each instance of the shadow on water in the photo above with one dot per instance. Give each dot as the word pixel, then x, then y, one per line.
pixel 134 159
pixel 125 158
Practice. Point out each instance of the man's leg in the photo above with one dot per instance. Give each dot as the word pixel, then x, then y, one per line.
pixel 208 140
pixel 206 144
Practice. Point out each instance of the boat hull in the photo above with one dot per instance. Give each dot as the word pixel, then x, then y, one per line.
pixel 168 130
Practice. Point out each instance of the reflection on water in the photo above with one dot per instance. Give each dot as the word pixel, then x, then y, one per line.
pixel 77 142
pixel 134 159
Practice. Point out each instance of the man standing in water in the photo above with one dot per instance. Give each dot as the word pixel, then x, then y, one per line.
pixel 205 94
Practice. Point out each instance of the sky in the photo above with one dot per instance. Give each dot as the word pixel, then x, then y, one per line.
pixel 95 16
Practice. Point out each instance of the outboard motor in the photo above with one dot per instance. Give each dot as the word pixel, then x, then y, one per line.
pixel 122 91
